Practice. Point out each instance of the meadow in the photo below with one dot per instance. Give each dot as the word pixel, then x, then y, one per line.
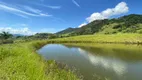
pixel 120 38
pixel 19 61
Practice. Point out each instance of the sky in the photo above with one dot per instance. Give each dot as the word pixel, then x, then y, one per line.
pixel 39 16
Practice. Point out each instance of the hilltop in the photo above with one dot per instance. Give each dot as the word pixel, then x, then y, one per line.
pixel 126 24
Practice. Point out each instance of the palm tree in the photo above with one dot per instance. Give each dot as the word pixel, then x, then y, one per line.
pixel 5 35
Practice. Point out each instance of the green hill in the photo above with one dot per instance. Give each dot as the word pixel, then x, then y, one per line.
pixel 68 30
pixel 126 24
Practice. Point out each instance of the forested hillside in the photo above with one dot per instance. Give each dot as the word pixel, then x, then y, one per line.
pixel 126 24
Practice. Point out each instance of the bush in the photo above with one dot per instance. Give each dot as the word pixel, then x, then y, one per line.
pixel 139 31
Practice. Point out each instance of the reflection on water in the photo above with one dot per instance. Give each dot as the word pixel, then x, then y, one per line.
pixel 112 63
pixel 109 64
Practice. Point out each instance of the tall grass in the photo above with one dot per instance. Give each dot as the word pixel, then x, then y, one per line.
pixel 20 61
pixel 102 38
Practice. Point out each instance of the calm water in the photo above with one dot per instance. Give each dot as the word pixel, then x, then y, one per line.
pixel 108 63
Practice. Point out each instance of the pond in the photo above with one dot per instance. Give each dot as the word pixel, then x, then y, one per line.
pixel 98 61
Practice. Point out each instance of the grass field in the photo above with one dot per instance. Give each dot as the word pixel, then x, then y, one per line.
pixel 102 38
pixel 20 61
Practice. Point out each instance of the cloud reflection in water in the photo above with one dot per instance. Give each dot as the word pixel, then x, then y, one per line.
pixel 107 63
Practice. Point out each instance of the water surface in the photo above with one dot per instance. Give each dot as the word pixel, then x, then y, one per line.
pixel 95 62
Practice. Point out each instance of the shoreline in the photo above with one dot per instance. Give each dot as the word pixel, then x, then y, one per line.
pixel 27 61
pixel 21 61
pixel 126 38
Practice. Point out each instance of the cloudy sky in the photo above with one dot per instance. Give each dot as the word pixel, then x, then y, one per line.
pixel 32 16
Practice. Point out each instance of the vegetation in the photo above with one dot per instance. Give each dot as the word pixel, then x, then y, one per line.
pixel 126 24
pixel 43 36
pixel 125 38
pixel 123 51
pixel 5 37
pixel 20 62
pixel 38 36
pixel 130 25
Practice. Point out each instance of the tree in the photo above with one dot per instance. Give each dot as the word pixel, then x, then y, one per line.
pixel 5 35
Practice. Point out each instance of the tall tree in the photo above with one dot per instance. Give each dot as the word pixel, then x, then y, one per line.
pixel 5 35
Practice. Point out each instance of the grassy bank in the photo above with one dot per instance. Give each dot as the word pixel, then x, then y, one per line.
pixel 20 61
pixel 123 51
pixel 102 38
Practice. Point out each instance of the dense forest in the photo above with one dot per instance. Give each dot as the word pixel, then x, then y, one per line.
pixel 126 24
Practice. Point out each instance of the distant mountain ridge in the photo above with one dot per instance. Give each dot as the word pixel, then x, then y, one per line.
pixel 127 24
pixel 18 35
pixel 68 30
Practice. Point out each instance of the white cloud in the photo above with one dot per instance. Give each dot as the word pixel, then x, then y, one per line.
pixel 24 31
pixel 119 9
pixel 83 24
pixel 48 6
pixel 95 16
pixel 21 12
pixel 21 15
pixel 75 3
pixel 32 9
pixel 54 7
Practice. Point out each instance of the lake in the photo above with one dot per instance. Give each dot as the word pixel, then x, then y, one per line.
pixel 98 61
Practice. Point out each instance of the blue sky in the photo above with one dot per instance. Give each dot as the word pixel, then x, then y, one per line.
pixel 34 16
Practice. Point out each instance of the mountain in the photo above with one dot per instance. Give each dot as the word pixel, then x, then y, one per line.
pixel 15 35
pixel 66 31
pixel 126 24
